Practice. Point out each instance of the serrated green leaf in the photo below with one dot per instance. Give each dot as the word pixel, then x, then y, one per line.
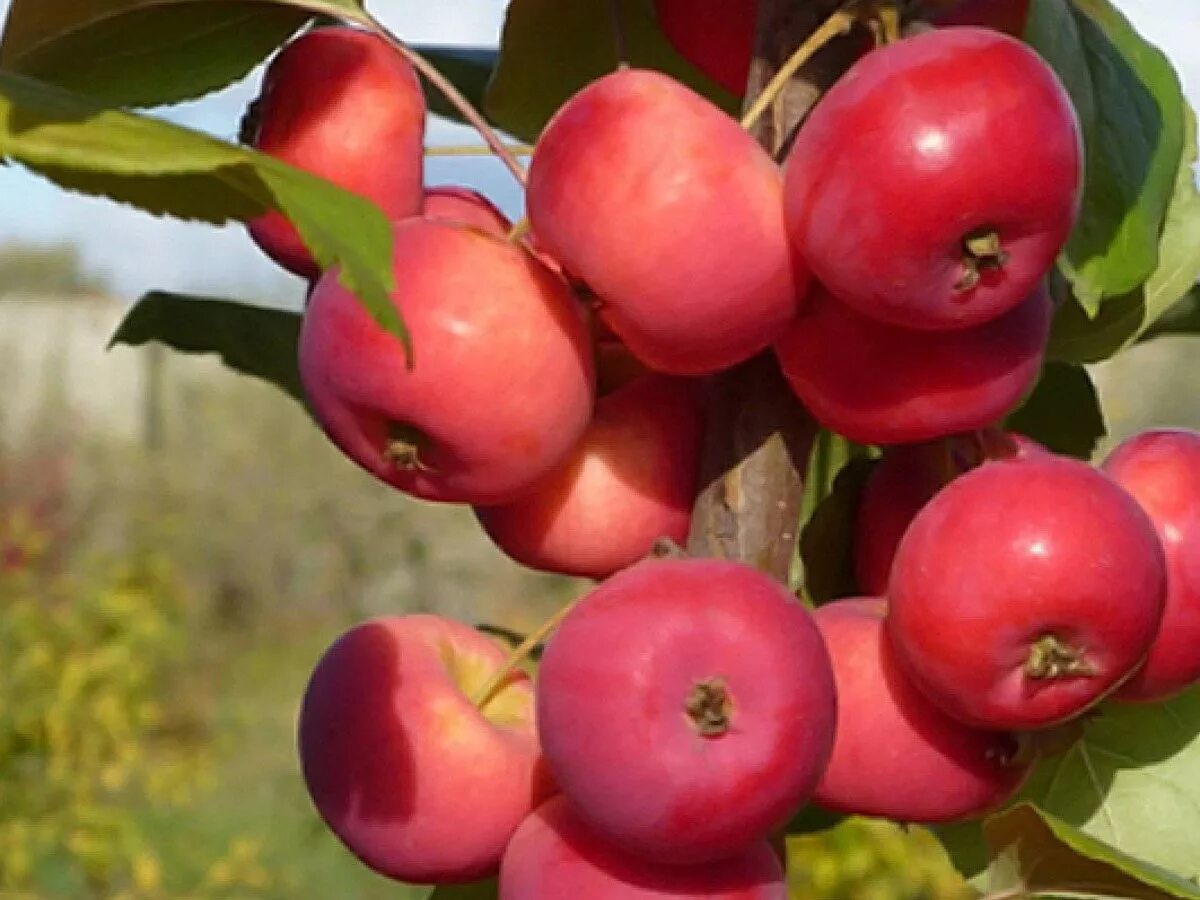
pixel 552 48
pixel 1039 854
pixel 1063 411
pixel 252 340
pixel 1078 337
pixel 152 52
pixel 1129 102
pixel 837 470
pixel 169 170
pixel 1132 781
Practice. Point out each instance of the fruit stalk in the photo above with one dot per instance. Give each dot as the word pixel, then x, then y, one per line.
pixel 758 436
pixel 495 684
pixel 457 100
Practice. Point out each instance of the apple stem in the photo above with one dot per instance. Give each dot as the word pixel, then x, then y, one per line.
pixel 620 43
pixel 708 707
pixel 835 26
pixel 452 94
pixel 1049 658
pixel 888 16
pixel 497 682
pixel 519 231
pixel 475 150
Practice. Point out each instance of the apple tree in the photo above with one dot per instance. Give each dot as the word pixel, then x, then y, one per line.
pixel 790 354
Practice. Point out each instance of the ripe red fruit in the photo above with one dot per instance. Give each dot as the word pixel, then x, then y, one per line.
pixel 629 481
pixel 934 184
pixel 904 481
pixel 343 104
pixel 879 384
pixel 895 754
pixel 415 781
pixel 554 855
pixel 502 384
pixel 1161 469
pixel 1025 591
pixel 467 207
pixel 672 215
pixel 1003 15
pixel 686 708
pixel 716 36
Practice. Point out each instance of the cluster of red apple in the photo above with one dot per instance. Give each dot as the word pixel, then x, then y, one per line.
pixel 686 708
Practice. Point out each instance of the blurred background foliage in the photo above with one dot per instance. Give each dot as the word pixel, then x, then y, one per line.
pixel 166 587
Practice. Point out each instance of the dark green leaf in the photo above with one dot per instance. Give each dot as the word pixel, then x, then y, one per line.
pixel 1038 854
pixel 480 890
pixel 1182 318
pixel 469 68
pixel 1063 412
pixel 837 471
pixel 249 339
pixel 166 169
pixel 1132 781
pixel 152 52
pixel 552 48
pixel 1130 107
pixel 1080 338
pixel 964 844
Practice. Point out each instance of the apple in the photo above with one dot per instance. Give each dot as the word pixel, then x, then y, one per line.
pixel 630 481
pixel 672 215
pixel 877 383
pixel 467 207
pixel 1161 470
pixel 1025 592
pixel 343 104
pixel 686 708
pixel 501 385
pixel 895 754
pixel 923 216
pixel 716 36
pixel 555 855
pixel 415 780
pixel 903 481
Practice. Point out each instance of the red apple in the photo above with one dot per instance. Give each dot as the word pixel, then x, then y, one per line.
pixel 686 708
pixel 501 385
pixel 1161 469
pixel 895 754
pixel 555 855
pixel 904 480
pixel 716 36
pixel 467 207
pixel 877 383
pixel 345 105
pixel 935 183
pixel 672 215
pixel 1026 591
pixel 629 481
pixel 415 780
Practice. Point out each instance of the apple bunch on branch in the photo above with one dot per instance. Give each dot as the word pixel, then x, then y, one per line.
pixel 803 392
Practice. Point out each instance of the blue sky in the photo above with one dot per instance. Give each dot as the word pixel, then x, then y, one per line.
pixel 137 252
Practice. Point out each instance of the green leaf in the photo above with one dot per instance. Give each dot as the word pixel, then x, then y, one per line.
pixel 1063 412
pixel 469 68
pixel 152 52
pixel 1132 781
pixel 480 890
pixel 251 340
pixel 552 48
pixel 1122 320
pixel 1129 103
pixel 168 170
pixel 1181 318
pixel 833 483
pixel 966 848
pixel 1039 854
